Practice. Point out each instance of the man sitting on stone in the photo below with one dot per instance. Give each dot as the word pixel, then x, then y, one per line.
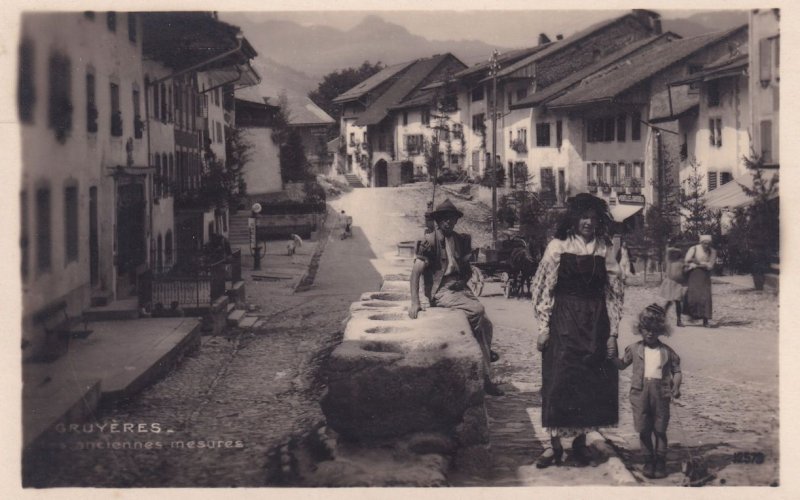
pixel 443 257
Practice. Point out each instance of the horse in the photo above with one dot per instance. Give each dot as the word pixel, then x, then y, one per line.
pixel 522 266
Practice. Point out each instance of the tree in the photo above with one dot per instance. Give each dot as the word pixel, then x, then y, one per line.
pixel 754 235
pixel 662 219
pixel 238 152
pixel 698 218
pixel 294 164
pixel 336 83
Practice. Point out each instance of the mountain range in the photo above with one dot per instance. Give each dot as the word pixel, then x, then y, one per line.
pixel 294 58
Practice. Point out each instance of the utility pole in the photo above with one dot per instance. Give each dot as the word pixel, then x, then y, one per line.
pixel 494 66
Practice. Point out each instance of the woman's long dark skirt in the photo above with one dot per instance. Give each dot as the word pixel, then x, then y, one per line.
pixel 579 385
pixel 698 294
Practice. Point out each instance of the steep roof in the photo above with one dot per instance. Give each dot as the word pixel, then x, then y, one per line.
pixel 721 68
pixel 638 69
pixel 508 57
pixel 561 44
pixel 372 82
pixel 575 78
pixel 400 88
pixel 302 110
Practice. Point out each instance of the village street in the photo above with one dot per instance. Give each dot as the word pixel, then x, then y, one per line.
pixel 255 388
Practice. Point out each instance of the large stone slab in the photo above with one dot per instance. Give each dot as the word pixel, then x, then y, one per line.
pixel 393 376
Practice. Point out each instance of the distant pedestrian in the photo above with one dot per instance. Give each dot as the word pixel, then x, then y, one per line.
pixel 673 288
pixel 347 223
pixel 655 380
pixel 699 262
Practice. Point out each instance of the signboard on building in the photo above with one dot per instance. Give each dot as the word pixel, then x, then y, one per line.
pixel 631 199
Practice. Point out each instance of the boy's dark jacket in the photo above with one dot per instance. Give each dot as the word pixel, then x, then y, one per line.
pixel 670 364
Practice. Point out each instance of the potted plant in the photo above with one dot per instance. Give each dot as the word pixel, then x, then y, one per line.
pixel 605 187
pixel 635 186
pixel 592 185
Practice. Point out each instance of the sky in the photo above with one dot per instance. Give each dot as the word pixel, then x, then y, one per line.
pixel 507 28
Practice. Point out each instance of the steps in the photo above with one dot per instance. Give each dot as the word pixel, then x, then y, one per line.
pixel 353 180
pixel 238 231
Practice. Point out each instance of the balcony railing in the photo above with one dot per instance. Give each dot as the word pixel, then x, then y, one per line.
pixel 197 288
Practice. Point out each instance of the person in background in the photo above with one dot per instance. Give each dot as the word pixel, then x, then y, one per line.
pixel 672 287
pixel 656 378
pixel 577 296
pixel 444 255
pixel 698 263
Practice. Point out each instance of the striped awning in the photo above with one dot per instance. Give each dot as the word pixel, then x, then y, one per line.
pixel 731 195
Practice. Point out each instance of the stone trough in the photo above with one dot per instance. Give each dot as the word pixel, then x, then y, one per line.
pixel 406 385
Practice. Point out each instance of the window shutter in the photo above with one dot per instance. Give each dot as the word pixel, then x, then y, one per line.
pixel 766 140
pixel 712 181
pixel 765 59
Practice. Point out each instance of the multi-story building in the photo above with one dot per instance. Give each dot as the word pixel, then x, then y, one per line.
pixel 204 60
pixel 521 74
pixel 85 197
pixel 618 124
pixel 765 45
pixel 388 119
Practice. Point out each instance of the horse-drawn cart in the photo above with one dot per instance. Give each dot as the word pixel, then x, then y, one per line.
pixel 511 264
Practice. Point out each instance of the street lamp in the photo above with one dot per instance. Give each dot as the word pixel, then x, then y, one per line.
pixel 252 225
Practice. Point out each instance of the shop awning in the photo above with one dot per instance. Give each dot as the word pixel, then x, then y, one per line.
pixel 622 212
pixel 731 195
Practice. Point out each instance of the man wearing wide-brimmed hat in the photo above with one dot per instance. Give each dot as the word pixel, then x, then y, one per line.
pixel 443 256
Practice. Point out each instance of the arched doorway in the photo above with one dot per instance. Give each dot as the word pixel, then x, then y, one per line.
pixel 381 174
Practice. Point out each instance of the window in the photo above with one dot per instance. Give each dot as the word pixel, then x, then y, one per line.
pixel 352 138
pixel 621 126
pixel 509 97
pixel 168 247
pixel 59 91
pixel 510 138
pixel 116 114
pixel 712 88
pixel 548 180
pixel 715 132
pixel 217 92
pixel 111 21
pixel 364 138
pixel 458 131
pixel 612 173
pixel 477 94
pixel 43 229
pixel 638 170
pixel 426 116
pixel 766 141
pixel 590 172
pixel 609 129
pixel 138 124
pixel 522 93
pixel 171 173
pixel 161 111
pixel 219 132
pixel 725 177
pixel 132 27
pixel 636 126
pixel 559 134
pixel 712 181
pixel 543 134
pixel 26 90
pixel 454 159
pixel 765 60
pixel 628 170
pixel 168 113
pixel 71 223
pixel 91 104
pixel 414 144
pixel 178 106
pixel 159 178
pixel 405 117
pixel 522 136
pixel 478 126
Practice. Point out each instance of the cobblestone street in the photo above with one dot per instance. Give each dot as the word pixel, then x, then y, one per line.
pixel 244 392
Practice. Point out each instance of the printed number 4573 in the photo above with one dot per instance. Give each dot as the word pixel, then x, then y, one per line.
pixel 748 457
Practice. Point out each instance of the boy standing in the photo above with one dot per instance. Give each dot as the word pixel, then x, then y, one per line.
pixel 656 379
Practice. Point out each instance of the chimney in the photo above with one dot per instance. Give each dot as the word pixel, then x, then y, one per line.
pixel 543 39
pixel 649 18
pixel 559 37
